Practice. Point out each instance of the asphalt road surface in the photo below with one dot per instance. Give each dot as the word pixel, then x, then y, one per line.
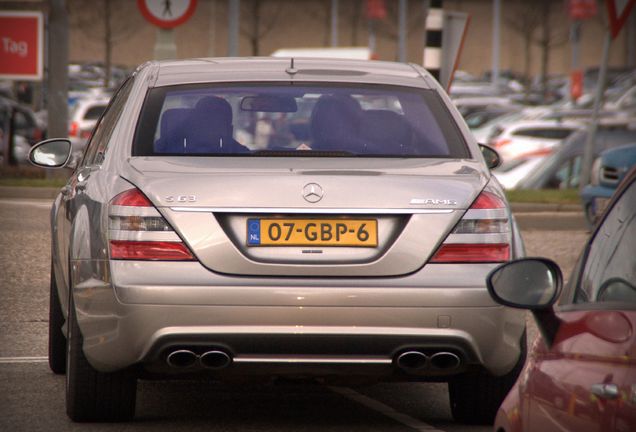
pixel 32 398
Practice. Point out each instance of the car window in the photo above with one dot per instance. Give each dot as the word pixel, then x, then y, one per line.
pixel 609 272
pixel 550 133
pixel 20 121
pixel 280 119
pixel 94 112
pixel 96 148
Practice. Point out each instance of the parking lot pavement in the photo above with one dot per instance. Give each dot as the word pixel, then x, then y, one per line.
pixel 32 398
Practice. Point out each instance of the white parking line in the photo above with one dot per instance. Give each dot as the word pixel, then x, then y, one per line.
pixel 29 203
pixel 14 360
pixel 384 409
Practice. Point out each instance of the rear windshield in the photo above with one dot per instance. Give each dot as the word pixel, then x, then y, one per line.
pixel 296 120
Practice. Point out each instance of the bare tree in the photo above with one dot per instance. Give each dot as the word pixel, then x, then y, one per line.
pixel 388 27
pixel 536 23
pixel 320 11
pixel 354 21
pixel 255 27
pixel 105 22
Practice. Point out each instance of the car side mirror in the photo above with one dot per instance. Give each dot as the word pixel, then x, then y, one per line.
pixel 52 153
pixel 529 283
pixel 492 158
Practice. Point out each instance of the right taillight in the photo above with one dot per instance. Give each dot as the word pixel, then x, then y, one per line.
pixel 138 231
pixel 501 142
pixel 73 130
pixel 483 235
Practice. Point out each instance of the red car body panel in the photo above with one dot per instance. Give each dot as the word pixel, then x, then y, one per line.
pixel 554 391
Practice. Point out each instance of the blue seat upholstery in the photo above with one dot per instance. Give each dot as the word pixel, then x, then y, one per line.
pixel 209 129
pixel 386 132
pixel 335 124
pixel 171 139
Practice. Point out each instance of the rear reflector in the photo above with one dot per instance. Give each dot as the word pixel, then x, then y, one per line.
pixel 149 250
pixel 472 253
pixel 73 129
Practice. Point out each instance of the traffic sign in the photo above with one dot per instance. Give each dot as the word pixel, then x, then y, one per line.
pixel 618 11
pixel 167 14
pixel 582 9
pixel 21 42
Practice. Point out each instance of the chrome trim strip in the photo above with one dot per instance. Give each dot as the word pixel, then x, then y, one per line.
pixel 313 360
pixel 164 236
pixel 309 210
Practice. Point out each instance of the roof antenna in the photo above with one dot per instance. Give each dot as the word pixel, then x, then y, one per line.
pixel 291 70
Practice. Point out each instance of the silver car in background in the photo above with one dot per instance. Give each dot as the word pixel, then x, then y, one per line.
pixel 250 217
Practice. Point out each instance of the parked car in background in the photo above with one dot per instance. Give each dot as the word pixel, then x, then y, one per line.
pixel 359 251
pixel 26 129
pixel 561 170
pixel 472 104
pixel 493 128
pixel 82 120
pixel 478 119
pixel 608 171
pixel 25 122
pixel 581 371
pixel 526 137
pixel 512 172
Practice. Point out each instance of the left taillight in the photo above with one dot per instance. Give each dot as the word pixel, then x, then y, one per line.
pixel 483 235
pixel 137 231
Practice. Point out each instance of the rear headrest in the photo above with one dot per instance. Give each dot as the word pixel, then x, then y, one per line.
pixel 215 113
pixel 386 128
pixel 172 130
pixel 334 119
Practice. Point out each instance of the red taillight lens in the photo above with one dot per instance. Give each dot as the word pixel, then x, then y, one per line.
pixel 139 232
pixel 488 200
pixel 483 235
pixel 149 250
pixel 131 198
pixel 73 130
pixel 501 143
pixel 472 253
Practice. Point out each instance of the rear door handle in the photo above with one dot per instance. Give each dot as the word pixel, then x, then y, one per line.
pixel 605 391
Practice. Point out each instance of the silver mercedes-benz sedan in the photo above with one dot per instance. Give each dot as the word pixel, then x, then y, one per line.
pixel 271 217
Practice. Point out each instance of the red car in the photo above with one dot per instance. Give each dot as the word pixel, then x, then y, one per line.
pixel 581 373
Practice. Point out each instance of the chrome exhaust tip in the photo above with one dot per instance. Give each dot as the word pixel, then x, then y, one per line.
pixel 445 361
pixel 215 360
pixel 412 360
pixel 181 359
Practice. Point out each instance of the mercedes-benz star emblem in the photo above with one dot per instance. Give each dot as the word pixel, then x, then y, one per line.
pixel 312 192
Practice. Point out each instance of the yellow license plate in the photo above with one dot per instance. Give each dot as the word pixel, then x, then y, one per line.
pixel 312 232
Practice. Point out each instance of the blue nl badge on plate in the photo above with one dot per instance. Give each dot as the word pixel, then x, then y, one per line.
pixel 253 232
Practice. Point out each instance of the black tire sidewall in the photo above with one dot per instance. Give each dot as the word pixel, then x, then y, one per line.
pixel 57 339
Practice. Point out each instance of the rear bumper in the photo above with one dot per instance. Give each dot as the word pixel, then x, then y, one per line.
pixel 272 326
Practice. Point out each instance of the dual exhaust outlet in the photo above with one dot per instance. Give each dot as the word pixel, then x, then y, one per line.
pixel 409 361
pixel 183 359
pixel 417 360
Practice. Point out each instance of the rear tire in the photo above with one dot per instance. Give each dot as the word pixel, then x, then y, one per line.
pixel 475 397
pixel 57 340
pixel 93 396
